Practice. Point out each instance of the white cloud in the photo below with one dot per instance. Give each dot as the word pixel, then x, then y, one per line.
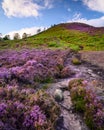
pixel 32 31
pixel 20 8
pixel 97 5
pixel 97 22
pixel 25 8
pixel 77 16
pixel 48 3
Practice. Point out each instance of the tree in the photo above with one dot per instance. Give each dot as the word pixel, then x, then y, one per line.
pixel 24 35
pixel 44 29
pixel 16 36
pixel 39 30
pixel 0 36
pixel 6 37
pixel 28 35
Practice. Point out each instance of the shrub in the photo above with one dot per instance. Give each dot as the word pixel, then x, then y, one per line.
pixel 74 83
pixel 31 66
pixel 76 61
pixel 85 100
pixel 66 72
pixel 27 109
pixel 77 95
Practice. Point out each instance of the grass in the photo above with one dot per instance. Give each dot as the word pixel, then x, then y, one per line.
pixel 58 37
pixel 76 61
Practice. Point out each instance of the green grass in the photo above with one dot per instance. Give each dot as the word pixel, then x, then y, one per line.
pixel 58 37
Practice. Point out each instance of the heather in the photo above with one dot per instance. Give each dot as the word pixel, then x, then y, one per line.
pixel 22 104
pixel 26 109
pixel 32 66
pixel 87 102
pixel 27 100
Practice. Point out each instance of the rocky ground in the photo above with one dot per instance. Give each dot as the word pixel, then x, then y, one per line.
pixel 90 70
pixel 68 120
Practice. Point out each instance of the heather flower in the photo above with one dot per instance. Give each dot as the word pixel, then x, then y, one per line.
pixel 28 91
pixel 19 105
pixel 1 124
pixel 35 118
pixel 10 87
pixel 4 73
pixel 3 107
pixel 31 63
pixel 85 82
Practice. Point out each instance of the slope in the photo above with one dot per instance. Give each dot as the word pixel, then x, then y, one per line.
pixel 76 36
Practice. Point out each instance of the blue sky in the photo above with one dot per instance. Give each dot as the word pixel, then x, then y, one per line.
pixel 29 15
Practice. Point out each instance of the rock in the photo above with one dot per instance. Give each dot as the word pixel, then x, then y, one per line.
pixel 99 72
pixel 67 72
pixel 0 64
pixel 93 75
pixel 89 71
pixel 58 95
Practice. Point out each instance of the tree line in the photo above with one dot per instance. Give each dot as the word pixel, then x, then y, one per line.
pixel 17 36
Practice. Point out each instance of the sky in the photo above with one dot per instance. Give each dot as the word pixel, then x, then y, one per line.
pixel 19 16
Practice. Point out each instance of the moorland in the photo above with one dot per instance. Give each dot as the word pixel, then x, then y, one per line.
pixel 68 57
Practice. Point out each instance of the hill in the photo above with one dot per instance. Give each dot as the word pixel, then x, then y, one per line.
pixel 77 36
pixel 84 28
pixel 69 83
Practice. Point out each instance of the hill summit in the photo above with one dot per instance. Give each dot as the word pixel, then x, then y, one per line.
pixel 83 27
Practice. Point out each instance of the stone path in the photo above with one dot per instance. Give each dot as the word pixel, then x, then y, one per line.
pixel 68 119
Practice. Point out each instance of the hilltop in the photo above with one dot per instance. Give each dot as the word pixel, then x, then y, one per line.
pixel 84 28
pixel 77 36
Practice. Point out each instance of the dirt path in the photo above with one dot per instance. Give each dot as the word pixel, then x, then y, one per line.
pixel 94 57
pixel 68 119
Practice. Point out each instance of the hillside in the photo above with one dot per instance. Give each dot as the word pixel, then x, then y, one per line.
pixel 45 85
pixel 76 36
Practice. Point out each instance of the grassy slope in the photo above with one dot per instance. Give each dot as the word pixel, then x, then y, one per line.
pixel 59 37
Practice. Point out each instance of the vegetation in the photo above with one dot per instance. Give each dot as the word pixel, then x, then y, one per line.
pixel 60 36
pixel 76 61
pixel 87 102
pixel 32 66
pixel 23 104
pixel 16 36
pixel 26 109
pixel 24 36
pixel 6 37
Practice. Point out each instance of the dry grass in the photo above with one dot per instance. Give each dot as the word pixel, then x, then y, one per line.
pixel 94 57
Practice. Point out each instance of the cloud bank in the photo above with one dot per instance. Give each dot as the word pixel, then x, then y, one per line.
pixel 25 8
pixel 97 22
pixel 96 5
